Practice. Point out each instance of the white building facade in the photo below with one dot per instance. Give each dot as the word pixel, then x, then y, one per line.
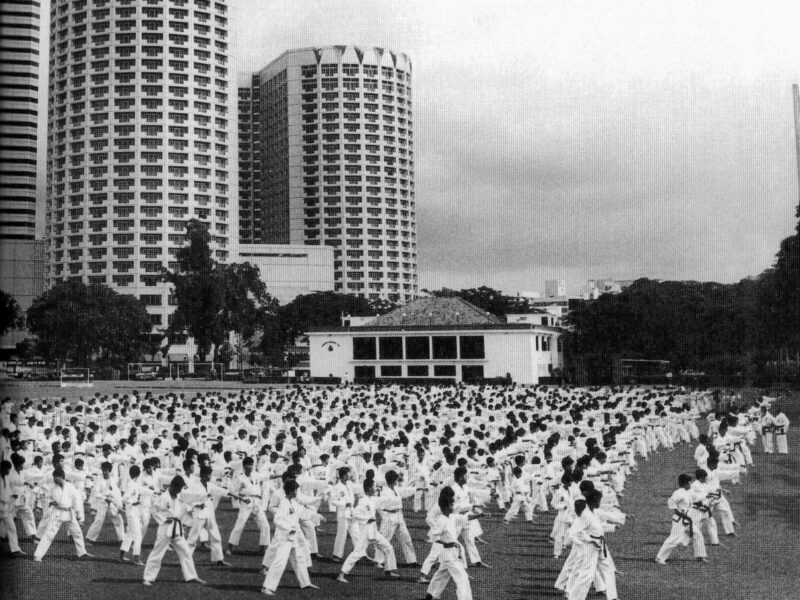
pixel 526 353
pixel 332 163
pixel 141 138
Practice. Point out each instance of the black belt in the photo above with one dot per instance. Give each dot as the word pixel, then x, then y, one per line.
pixel 778 430
pixel 602 540
pixel 177 528
pixel 701 507
pixel 686 520
pixel 396 510
pixel 447 544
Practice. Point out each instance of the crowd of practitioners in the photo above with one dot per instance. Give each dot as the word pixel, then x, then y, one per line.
pixel 292 459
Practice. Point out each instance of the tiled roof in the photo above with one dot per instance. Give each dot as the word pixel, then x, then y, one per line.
pixel 436 311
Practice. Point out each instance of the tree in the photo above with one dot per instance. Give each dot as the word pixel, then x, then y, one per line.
pixel 787 288
pixel 28 349
pixel 320 309
pixel 10 314
pixel 707 326
pixel 196 289
pixel 79 322
pixel 246 304
pixel 213 299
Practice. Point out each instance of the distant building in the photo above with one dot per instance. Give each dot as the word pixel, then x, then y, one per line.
pixel 558 306
pixel 598 287
pixel 290 270
pixel 555 287
pixel 536 317
pixel 437 338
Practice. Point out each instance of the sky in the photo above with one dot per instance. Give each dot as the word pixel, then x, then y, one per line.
pixel 573 140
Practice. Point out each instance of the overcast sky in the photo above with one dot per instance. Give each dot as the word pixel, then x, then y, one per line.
pixel 576 140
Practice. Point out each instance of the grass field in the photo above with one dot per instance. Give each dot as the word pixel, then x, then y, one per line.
pixel 763 563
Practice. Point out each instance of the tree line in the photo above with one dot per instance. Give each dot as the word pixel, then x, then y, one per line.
pixel 730 328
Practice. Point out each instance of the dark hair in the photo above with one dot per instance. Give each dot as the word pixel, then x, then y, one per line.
pixel 391 477
pixel 290 486
pixel 580 505
pixel 593 497
pixel 134 471
pixel 446 497
pixel 683 479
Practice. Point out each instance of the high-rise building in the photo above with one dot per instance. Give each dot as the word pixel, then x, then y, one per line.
pixel 19 78
pixel 141 122
pixel 330 161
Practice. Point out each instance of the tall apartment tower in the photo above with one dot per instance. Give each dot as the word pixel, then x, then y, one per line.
pixel 19 77
pixel 141 124
pixel 332 163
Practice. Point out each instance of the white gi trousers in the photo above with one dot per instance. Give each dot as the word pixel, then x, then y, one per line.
pixel 170 533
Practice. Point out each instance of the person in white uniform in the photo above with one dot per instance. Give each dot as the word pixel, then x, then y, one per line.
pixel 685 523
pixel 365 517
pixel 288 544
pixel 170 511
pixel 780 427
pixel 446 527
pixel 65 506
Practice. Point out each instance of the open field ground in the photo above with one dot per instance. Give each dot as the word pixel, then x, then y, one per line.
pixel 762 564
pixel 17 390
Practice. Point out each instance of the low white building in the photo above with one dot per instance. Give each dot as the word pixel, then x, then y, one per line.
pixel 437 338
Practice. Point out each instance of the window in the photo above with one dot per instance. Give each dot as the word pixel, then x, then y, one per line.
pixel 391 348
pixel 365 371
pixel 471 346
pixel 417 370
pixel 391 371
pixel 151 299
pixel 444 370
pixel 364 349
pixel 471 372
pixel 444 347
pixel 418 348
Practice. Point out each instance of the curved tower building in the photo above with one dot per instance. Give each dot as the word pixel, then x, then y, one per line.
pixel 140 140
pixel 332 163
